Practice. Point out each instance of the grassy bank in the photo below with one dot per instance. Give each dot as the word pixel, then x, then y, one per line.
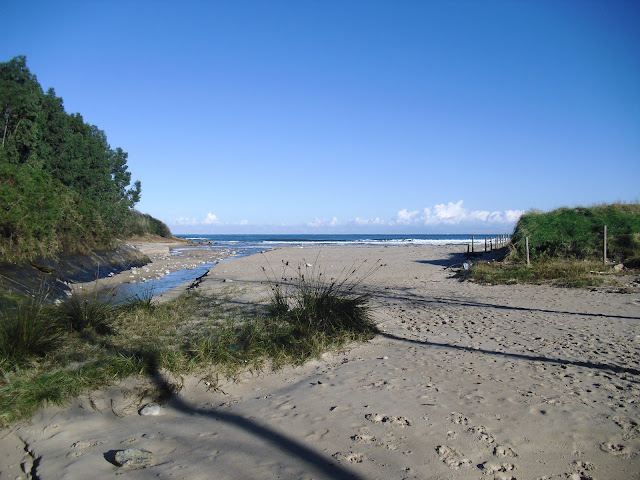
pixel 50 354
pixel 566 247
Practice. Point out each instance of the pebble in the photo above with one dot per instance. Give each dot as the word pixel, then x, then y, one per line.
pixel 151 409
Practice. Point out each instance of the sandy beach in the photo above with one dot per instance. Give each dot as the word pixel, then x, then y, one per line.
pixel 465 382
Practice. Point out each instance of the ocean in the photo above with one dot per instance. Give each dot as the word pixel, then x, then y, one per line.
pixel 263 242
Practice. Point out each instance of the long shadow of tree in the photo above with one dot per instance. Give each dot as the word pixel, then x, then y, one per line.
pixel 517 356
pixel 407 296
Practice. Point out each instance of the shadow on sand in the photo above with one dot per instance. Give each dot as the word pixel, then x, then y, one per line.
pixel 518 356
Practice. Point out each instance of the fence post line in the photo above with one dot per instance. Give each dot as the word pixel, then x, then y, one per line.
pixel 604 252
pixel 526 241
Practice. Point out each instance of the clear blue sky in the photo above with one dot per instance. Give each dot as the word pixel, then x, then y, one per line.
pixel 341 116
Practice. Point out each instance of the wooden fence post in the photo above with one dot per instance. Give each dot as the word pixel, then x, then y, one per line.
pixel 472 244
pixel 604 253
pixel 485 244
pixel 526 241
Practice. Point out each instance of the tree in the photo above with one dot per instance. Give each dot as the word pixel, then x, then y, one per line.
pixel 62 187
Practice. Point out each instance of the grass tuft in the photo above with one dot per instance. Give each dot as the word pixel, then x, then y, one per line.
pixel 83 311
pixel 26 330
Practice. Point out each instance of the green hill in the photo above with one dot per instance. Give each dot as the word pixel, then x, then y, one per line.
pixel 578 233
pixel 566 248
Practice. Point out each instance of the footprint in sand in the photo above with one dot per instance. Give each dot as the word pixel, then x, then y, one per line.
pixel 497 470
pixel 458 419
pixel 504 451
pixel 481 433
pixel 582 467
pixel 88 443
pixel 364 438
pixel 628 425
pixel 617 449
pixel 350 457
pixel 452 458
pixel 388 419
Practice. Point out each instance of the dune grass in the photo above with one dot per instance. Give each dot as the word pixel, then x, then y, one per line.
pixel 577 233
pixel 85 344
pixel 564 273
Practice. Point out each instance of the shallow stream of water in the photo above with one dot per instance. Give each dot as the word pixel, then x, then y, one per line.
pixel 125 292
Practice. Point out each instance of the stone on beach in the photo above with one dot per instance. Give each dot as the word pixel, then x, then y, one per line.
pixel 132 458
pixel 151 409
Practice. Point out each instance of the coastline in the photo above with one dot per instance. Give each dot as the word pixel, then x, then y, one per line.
pixel 465 381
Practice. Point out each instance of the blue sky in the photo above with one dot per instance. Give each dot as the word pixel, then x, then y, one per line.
pixel 349 116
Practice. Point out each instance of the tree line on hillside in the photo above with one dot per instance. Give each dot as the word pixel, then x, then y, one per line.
pixel 62 187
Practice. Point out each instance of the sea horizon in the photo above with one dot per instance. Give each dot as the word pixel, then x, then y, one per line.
pixel 279 240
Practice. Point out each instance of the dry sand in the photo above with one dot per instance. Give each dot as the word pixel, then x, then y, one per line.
pixel 466 382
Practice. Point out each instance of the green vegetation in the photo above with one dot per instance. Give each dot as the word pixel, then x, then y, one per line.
pixel 26 331
pixel 191 334
pixel 141 224
pixel 558 272
pixel 566 247
pixel 62 187
pixel 577 233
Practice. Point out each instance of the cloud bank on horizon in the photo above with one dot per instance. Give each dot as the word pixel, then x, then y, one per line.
pixel 451 214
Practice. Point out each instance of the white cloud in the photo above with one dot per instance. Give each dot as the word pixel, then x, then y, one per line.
pixel 406 217
pixel 453 213
pixel 211 219
pixel 513 215
pixel 321 222
pixel 480 215
pixel 185 221
pixel 449 213
pixel 369 221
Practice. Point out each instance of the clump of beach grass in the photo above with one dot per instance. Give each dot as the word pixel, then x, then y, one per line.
pixel 308 314
pixel 82 311
pixel 26 330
